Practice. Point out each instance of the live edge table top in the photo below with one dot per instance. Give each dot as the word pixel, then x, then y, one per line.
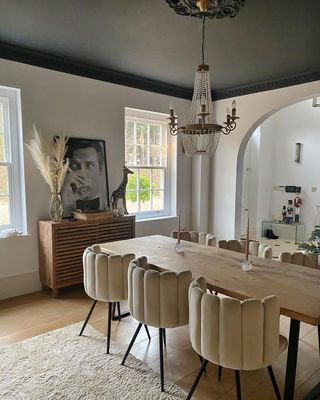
pixel 298 288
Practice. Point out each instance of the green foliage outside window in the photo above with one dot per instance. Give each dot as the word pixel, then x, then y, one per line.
pixel 144 187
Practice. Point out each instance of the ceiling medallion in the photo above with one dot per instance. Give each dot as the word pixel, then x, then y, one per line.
pixel 214 9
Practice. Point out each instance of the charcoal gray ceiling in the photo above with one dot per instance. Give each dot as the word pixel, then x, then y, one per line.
pixel 144 44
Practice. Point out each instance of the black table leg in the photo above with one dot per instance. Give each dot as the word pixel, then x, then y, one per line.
pixel 292 359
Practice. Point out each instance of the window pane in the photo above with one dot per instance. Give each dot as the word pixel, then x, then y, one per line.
pixel 142 133
pixel 131 194
pixel 142 155
pixel 157 199
pixel 157 179
pixel 155 156
pixel 130 157
pixel 4 182
pixel 129 132
pixel 4 210
pixel 155 134
pixel 145 204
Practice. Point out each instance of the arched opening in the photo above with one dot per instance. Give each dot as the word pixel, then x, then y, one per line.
pixel 270 160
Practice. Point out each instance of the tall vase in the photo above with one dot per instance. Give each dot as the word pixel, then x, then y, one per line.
pixel 55 209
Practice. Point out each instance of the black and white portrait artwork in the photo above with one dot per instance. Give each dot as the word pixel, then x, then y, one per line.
pixel 86 183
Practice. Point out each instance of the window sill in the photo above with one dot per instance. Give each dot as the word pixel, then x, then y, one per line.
pixel 15 236
pixel 155 218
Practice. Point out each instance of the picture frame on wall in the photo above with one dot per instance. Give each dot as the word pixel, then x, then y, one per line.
pixel 86 183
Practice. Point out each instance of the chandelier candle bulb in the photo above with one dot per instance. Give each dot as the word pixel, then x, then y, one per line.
pixel 234 108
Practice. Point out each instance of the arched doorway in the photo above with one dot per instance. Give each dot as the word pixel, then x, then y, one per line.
pixel 265 165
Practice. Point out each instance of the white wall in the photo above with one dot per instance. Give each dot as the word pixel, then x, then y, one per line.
pixel 59 103
pixel 298 123
pixel 227 168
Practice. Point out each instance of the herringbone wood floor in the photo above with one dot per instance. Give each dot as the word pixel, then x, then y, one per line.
pixel 32 314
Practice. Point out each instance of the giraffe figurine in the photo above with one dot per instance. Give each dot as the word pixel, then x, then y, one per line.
pixel 120 192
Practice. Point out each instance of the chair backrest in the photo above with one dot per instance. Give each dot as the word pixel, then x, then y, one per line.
pixel 255 248
pixel 105 277
pixel 260 250
pixel 158 299
pixel 232 333
pixel 233 245
pixel 196 237
pixel 307 260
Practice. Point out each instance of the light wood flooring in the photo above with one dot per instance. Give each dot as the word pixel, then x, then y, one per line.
pixel 32 314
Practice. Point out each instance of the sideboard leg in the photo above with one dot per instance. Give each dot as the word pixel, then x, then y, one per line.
pixel 55 292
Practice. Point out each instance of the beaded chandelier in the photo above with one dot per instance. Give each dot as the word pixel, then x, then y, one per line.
pixel 201 135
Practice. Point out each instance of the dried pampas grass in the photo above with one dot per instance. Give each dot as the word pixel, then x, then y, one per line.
pixel 49 159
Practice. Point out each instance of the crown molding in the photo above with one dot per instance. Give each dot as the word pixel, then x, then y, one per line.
pixel 271 84
pixel 44 60
pixel 61 64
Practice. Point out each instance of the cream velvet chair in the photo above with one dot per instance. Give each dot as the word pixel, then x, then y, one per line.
pixel 241 335
pixel 105 279
pixel 157 299
pixel 306 260
pixel 260 250
pixel 207 239
pixel 255 248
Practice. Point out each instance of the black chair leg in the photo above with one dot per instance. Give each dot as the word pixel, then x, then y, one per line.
pixel 219 373
pixel 238 387
pixel 110 313
pixel 161 339
pixel 274 383
pixel 88 317
pixel 319 338
pixel 134 337
pixel 119 313
pixel 147 332
pixel 198 377
pixel 164 336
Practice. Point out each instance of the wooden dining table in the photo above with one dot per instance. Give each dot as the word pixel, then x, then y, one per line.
pixel 297 287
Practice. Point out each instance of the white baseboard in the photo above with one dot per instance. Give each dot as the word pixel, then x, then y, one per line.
pixel 17 285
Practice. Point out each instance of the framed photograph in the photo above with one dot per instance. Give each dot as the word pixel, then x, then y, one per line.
pixel 86 183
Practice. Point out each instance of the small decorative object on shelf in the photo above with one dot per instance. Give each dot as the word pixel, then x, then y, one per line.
pixel 178 247
pixel 55 208
pixel 246 264
pixel 289 217
pixel 93 215
pixel 313 246
pixel 120 192
pixel 284 213
pixel 53 167
pixel 297 202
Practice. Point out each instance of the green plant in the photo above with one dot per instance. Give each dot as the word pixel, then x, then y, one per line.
pixel 144 187
pixel 313 246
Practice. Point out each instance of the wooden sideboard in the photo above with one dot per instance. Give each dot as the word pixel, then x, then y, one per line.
pixel 61 245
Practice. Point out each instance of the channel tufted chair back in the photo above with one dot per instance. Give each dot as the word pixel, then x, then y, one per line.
pixel 260 250
pixel 241 335
pixel 105 278
pixel 306 260
pixel 158 299
pixel 233 245
pixel 255 248
pixel 204 238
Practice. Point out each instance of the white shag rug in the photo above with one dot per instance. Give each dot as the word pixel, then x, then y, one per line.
pixel 62 365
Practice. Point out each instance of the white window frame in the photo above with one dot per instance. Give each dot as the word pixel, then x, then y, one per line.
pixel 135 115
pixel 11 101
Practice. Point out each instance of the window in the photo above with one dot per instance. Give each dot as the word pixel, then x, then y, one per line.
pixel 12 203
pixel 147 156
